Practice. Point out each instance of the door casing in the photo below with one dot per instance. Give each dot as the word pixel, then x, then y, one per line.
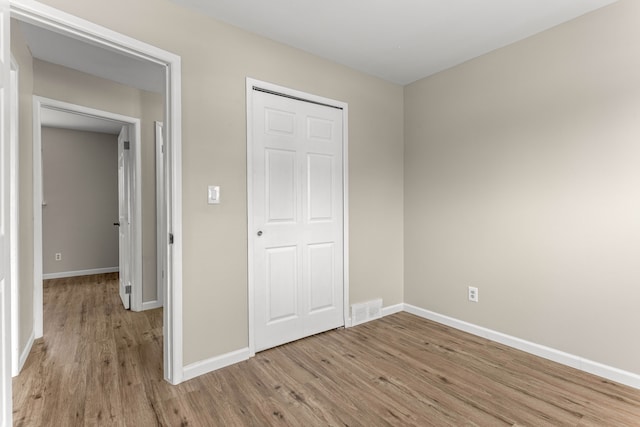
pixel 161 206
pixel 5 218
pixel 14 223
pixel 250 84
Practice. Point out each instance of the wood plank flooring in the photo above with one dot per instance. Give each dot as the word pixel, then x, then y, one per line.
pixel 100 365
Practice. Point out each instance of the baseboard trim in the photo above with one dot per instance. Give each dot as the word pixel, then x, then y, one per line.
pixel 76 273
pixel 577 362
pixel 26 351
pixel 392 309
pixel 608 372
pixel 150 305
pixel 209 365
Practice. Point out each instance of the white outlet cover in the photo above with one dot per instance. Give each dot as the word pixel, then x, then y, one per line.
pixel 473 294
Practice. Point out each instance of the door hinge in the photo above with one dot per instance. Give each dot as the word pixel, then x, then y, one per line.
pixel 171 238
pixel 127 289
pixel 127 145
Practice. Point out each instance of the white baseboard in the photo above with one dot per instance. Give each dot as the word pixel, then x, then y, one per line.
pixel 150 305
pixel 209 365
pixel 392 309
pixel 63 274
pixel 25 352
pixel 614 374
pixel 577 362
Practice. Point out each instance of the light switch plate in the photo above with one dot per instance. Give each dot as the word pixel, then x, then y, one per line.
pixel 213 195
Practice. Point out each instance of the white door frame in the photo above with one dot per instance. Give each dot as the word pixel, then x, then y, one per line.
pixel 39 198
pixel 17 360
pixel 64 23
pixel 161 235
pixel 5 192
pixel 250 84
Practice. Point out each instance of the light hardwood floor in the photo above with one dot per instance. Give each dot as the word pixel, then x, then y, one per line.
pixel 101 365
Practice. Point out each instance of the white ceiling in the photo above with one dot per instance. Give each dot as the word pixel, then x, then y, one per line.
pixel 398 40
pixel 65 120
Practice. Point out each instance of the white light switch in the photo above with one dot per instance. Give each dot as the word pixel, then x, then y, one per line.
pixel 213 195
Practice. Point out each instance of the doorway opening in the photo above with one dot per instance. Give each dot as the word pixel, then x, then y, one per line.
pixel 125 132
pixel 60 24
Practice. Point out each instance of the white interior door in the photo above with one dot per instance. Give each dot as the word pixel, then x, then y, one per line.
pixel 5 252
pixel 124 216
pixel 297 204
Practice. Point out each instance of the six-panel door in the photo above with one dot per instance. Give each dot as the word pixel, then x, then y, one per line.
pixel 297 213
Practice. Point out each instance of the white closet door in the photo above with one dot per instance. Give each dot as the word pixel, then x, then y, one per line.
pixel 297 214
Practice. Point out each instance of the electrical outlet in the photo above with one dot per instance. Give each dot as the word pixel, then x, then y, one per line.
pixel 473 294
pixel 58 256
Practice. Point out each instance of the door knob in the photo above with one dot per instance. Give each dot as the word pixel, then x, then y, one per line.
pixel 259 233
pixel 117 224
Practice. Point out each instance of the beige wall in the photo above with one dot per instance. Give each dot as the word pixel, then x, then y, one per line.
pixel 517 176
pixel 22 55
pixel 64 84
pixel 80 188
pixel 522 177
pixel 216 59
